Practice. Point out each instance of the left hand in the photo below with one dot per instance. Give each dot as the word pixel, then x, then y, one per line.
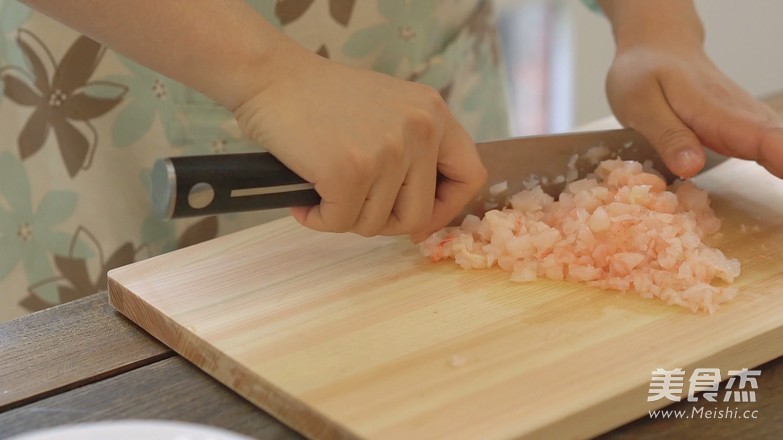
pixel 666 87
pixel 681 102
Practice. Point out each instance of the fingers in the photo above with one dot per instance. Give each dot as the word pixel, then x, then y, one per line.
pixel 412 202
pixel 770 149
pixel 754 139
pixel 463 176
pixel 748 131
pixel 415 201
pixel 394 192
pixel 742 128
pixel 378 208
pixel 340 207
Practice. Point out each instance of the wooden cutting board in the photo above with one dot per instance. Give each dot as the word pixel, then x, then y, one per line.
pixel 345 337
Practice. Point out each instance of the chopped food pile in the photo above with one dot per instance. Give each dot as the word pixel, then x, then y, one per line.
pixel 620 228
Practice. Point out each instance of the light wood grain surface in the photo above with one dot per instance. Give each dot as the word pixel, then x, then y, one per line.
pixel 340 336
pixel 175 390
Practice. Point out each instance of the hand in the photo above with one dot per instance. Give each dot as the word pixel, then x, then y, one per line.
pixel 664 85
pixel 680 101
pixel 372 145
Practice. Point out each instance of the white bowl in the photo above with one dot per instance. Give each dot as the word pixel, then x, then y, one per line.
pixel 132 430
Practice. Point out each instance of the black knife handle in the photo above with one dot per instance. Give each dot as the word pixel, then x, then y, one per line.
pixel 188 186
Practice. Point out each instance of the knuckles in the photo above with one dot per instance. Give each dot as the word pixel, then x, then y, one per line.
pixel 421 125
pixel 361 167
pixel 425 120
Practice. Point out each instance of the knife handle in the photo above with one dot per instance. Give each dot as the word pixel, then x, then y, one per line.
pixel 188 186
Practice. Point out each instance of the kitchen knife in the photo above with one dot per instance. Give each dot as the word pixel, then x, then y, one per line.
pixel 188 186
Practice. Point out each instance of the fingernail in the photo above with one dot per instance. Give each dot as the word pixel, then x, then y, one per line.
pixel 684 161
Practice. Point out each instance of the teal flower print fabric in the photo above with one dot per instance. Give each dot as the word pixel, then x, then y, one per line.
pixel 28 236
pixel 12 15
pixel 403 40
pixel 150 97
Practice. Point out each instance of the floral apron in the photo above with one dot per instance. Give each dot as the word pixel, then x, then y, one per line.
pixel 81 126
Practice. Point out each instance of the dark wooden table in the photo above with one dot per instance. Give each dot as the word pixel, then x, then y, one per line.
pixel 84 362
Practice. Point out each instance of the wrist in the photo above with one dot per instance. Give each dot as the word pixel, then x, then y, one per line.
pixel 639 22
pixel 249 74
pixel 247 62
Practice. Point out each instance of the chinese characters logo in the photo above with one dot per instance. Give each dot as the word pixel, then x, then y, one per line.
pixel 741 385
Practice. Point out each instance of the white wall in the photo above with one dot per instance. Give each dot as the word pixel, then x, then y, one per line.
pixel 744 38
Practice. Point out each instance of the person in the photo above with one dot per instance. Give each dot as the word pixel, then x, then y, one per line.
pixel 367 100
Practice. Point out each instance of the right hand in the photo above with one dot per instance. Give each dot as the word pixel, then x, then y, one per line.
pixel 371 144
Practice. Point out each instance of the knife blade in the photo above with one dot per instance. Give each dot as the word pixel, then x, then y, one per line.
pixel 187 186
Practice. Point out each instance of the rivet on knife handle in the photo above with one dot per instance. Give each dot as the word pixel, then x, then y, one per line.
pixel 187 186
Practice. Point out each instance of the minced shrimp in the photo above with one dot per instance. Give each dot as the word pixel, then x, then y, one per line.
pixel 620 228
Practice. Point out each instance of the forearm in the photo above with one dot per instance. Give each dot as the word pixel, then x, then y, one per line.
pixel 222 48
pixel 643 21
